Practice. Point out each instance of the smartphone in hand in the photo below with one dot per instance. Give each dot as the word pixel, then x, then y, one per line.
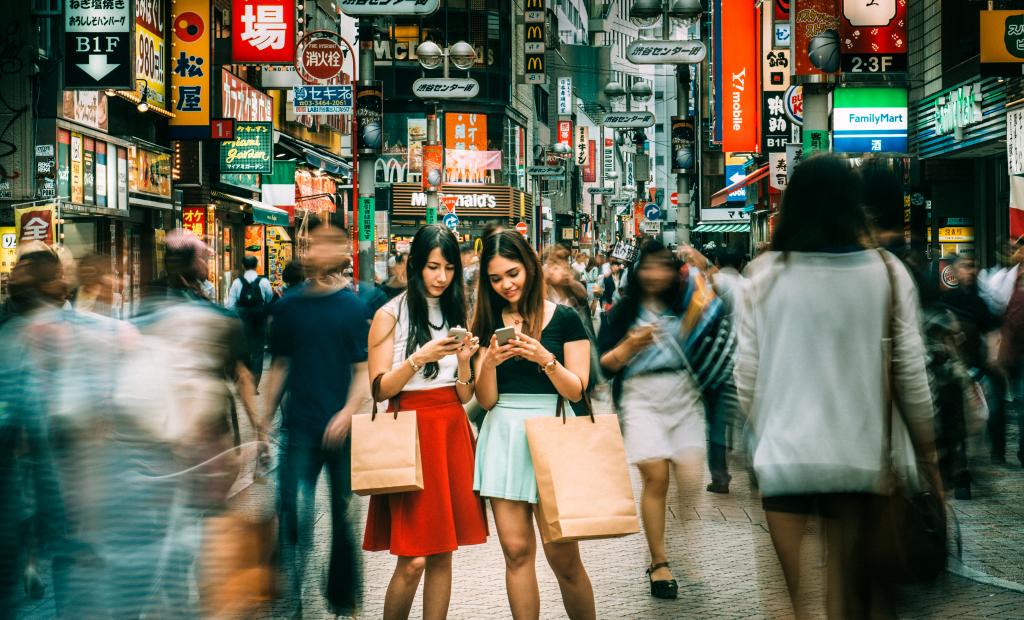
pixel 458 333
pixel 505 334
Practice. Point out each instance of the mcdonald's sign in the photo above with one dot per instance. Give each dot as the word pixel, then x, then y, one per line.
pixel 534 41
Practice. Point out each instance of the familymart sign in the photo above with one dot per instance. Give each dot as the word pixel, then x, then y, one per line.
pixel 958 110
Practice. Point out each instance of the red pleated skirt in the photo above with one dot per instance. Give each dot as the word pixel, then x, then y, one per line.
pixel 447 513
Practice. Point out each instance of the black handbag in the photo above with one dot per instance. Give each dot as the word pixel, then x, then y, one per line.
pixel 908 527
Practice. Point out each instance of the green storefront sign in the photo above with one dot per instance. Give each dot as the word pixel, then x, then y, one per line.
pixel 815 140
pixel 252 150
pixel 366 215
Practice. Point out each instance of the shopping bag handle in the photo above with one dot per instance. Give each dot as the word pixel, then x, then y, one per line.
pixel 560 407
pixel 375 395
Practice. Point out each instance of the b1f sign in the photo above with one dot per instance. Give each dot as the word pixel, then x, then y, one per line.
pixel 263 31
pixel 867 120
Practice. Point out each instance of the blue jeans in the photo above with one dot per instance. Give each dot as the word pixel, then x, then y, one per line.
pixel 720 405
pixel 303 457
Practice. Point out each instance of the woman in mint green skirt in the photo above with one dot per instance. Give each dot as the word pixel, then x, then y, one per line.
pixel 549 356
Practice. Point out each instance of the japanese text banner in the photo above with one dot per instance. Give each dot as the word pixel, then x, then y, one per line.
pixel 192 66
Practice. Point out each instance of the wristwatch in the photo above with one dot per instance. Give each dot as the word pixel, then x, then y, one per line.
pixel 550 366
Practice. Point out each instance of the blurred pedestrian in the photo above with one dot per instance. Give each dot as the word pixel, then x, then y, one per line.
pixel 610 284
pixel 470 274
pixel 318 342
pixel 97 286
pixel 561 287
pixel 251 295
pixel 396 282
pixel 812 371
pixel 658 400
pixel 417 364
pixel 1011 368
pixel 294 277
pixel 548 357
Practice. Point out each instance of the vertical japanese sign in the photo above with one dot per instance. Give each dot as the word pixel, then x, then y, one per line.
pixel 874 36
pixel 609 156
pixel 35 224
pixel 816 36
pixel 590 166
pixel 366 215
pixel 77 180
pixel 776 131
pixel 582 138
pixel 150 54
pixel 464 131
pixel 781 32
pixel 565 133
pixel 89 170
pixel 263 31
pixel 815 140
pixel 739 76
pixel 370 116
pixel 193 218
pixel 682 144
pixel 534 41
pixel 192 64
pixel 565 95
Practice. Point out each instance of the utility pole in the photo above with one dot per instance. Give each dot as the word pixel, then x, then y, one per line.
pixel 683 196
pixel 367 162
pixel 433 193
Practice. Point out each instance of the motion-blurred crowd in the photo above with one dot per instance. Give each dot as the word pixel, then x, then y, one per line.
pixel 832 365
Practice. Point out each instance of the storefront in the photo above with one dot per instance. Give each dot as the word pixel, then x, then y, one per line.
pixel 960 173
pixel 475 207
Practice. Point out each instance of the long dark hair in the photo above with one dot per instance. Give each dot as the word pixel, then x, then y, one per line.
pixel 453 300
pixel 624 313
pixel 821 208
pixel 489 304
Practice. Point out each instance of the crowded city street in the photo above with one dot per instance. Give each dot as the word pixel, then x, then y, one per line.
pixel 474 309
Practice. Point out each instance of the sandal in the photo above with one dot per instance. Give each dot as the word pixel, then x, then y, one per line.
pixel 665 588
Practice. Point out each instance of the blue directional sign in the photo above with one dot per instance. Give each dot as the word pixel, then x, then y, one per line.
pixel 451 221
pixel 734 174
pixel 652 211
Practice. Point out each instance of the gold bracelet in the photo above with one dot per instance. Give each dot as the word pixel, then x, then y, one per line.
pixel 461 382
pixel 413 365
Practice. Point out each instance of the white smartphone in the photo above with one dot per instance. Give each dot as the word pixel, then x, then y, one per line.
pixel 505 334
pixel 458 333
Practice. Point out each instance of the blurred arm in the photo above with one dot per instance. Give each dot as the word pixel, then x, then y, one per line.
pixel 267 290
pixel 246 385
pixel 747 352
pixel 912 392
pixel 275 388
pixel 233 292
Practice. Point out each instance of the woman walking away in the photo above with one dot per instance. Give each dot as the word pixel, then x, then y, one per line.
pixel 417 364
pixel 548 357
pixel 660 405
pixel 820 312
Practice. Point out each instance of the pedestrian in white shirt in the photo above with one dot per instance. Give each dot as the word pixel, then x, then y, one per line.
pixel 250 295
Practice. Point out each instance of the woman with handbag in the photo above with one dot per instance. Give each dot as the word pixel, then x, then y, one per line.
pixel 830 336
pixel 659 402
pixel 519 379
pixel 417 363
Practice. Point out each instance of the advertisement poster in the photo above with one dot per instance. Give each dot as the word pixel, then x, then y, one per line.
pixel 433 166
pixel 1002 42
pixel 35 224
pixel 87 107
pixel 416 135
pixel 682 144
pixel 150 54
pixel 740 61
pixel 89 171
pixel 255 246
pixel 816 37
pixel 874 36
pixel 470 166
pixel 467 132
pixel 191 69
pixel 323 99
pixel 77 180
pixel 370 117
pixel 279 254
pixel 8 248
pixel 149 172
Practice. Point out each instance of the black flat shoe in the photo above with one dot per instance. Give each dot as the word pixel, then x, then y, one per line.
pixel 718 487
pixel 665 588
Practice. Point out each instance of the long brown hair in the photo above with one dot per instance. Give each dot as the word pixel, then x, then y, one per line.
pixel 489 304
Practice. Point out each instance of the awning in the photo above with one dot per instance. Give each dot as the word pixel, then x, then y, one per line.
pixel 266 214
pixel 313 155
pixel 722 228
pixel 722 196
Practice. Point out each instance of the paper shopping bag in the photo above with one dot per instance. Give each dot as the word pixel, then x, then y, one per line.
pixel 582 478
pixel 386 453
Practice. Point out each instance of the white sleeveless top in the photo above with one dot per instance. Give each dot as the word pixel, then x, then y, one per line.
pixel 449 366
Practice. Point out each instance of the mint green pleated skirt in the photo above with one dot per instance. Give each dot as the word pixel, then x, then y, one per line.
pixel 504 468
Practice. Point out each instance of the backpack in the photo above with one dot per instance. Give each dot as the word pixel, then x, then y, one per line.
pixel 251 296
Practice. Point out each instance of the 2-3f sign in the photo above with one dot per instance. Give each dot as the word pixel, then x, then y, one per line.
pixel 98 45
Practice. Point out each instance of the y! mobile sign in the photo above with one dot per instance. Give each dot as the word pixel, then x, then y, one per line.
pixel 740 92
pixel 870 120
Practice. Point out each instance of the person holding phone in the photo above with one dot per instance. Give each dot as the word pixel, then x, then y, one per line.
pixel 537 351
pixel 659 403
pixel 419 359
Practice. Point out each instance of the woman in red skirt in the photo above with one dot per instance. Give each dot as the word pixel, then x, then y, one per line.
pixel 418 364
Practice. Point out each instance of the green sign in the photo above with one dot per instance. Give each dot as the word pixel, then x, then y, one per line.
pixel 251 151
pixel 431 215
pixel 815 140
pixel 366 215
pixel 244 181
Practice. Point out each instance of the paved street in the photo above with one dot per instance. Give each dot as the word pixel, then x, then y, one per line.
pixel 721 554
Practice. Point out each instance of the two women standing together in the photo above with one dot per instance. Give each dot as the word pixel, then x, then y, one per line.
pixel 416 363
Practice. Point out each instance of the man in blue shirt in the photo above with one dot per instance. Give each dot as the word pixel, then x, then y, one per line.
pixel 318 344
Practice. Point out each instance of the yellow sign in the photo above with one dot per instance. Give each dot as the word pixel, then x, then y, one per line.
pixel 77 170
pixel 1002 36
pixel 954 234
pixel 149 66
pixel 191 67
pixel 8 248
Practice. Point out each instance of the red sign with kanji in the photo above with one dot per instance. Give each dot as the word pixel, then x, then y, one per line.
pixel 194 219
pixel 263 31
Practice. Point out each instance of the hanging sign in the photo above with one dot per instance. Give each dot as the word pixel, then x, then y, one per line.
pixel 565 133
pixel 874 36
pixel 445 88
pixel 643 52
pixel 319 56
pixel 1002 42
pixel 582 137
pixel 775 132
pixel 628 120
pixel 323 99
pixel 192 67
pixel 544 171
pixel 98 45
pixel 534 41
pixel 35 224
pixel 263 31
pixel 251 151
pixel 816 37
pixel 682 144
pixel 150 54
pixel 374 8
pixel 739 68
pixel 565 95
pixel 433 166
pixel 370 116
